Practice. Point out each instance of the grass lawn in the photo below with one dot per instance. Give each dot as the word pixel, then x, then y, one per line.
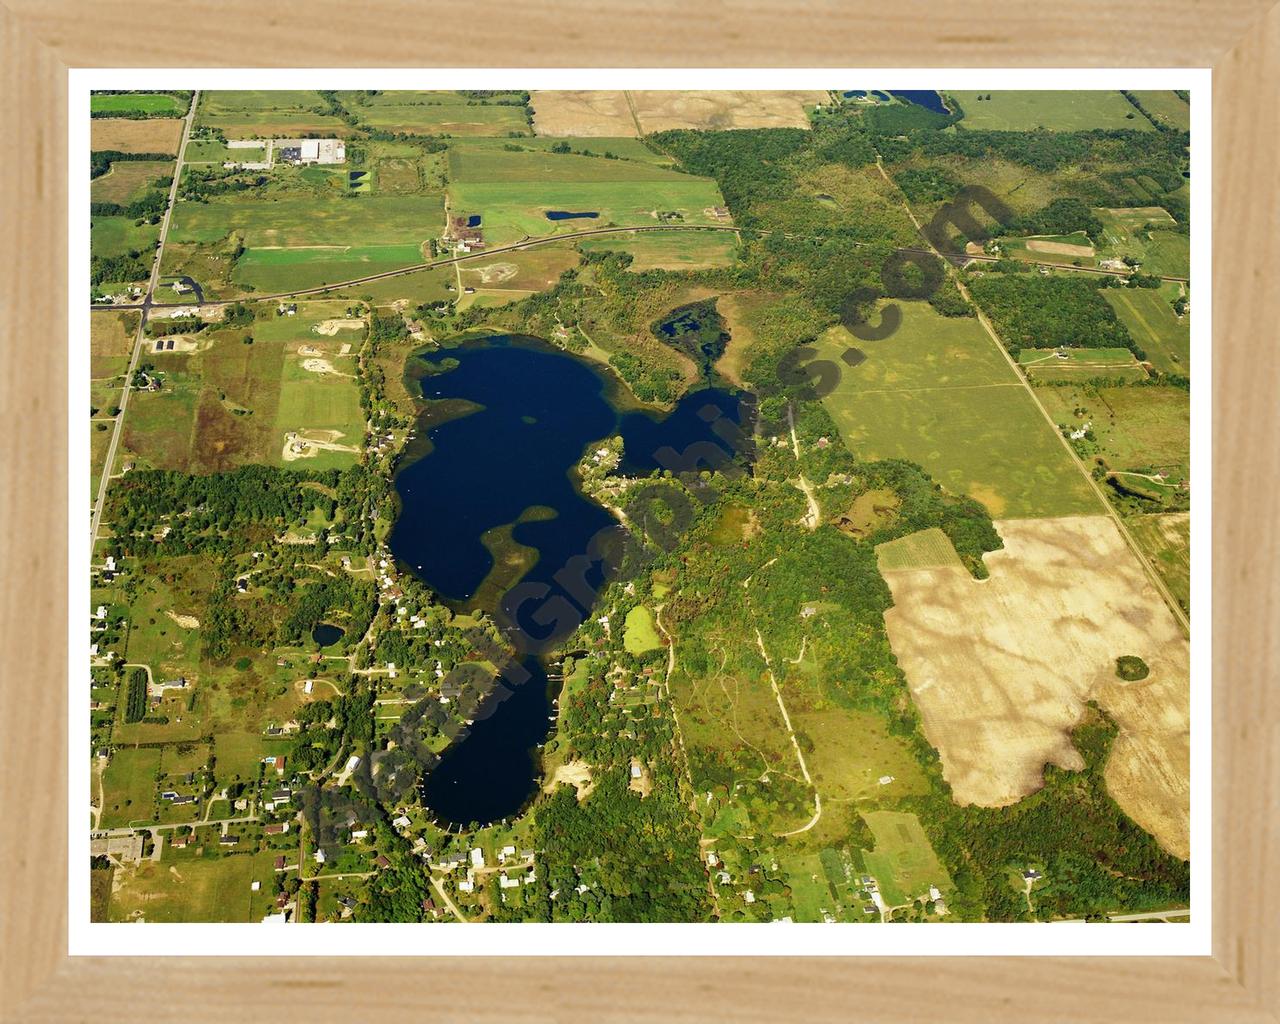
pixel 903 861
pixel 190 887
pixel 640 636
pixel 129 786
pixel 312 401
pixel 939 393
pixel 142 102
pixel 1149 315
pixel 1056 110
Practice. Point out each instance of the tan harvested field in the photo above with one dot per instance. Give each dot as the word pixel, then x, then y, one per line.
pixel 1000 669
pixel 582 113
pixel 154 135
pixel 722 108
pixel 616 113
pixel 1059 248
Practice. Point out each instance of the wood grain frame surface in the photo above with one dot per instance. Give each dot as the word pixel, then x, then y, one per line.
pixel 41 39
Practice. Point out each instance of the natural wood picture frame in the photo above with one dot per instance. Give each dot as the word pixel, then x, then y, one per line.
pixel 1239 39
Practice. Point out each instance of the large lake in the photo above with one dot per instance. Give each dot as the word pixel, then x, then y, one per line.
pixel 493 472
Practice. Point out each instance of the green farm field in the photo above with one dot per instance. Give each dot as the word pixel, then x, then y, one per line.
pixel 129 786
pixel 1166 539
pixel 1056 110
pixel 267 113
pixel 201 151
pixel 115 236
pixel 280 270
pixel 939 393
pixel 140 102
pixel 1137 428
pixel 128 180
pixel 1160 250
pixel 190 887
pixel 110 342
pixel 925 549
pixel 367 221
pixel 1149 315
pixel 670 250
pixel 903 861
pixel 1080 364
pixel 321 401
pixel 512 210
pixel 471 164
pixel 434 113
pixel 627 149
pixel 1166 106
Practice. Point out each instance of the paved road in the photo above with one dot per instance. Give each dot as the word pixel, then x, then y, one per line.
pixel 529 243
pixel 1153 577
pixel 140 339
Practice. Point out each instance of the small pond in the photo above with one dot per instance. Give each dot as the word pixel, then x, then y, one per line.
pixel 326 635
pixel 568 215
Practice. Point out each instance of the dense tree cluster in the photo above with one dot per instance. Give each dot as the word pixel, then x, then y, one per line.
pixel 1046 311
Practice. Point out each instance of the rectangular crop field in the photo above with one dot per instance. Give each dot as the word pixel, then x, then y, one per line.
pixel 1166 106
pixel 903 861
pixel 268 113
pixel 1162 334
pixel 128 180
pixel 1146 233
pixel 924 549
pixel 435 113
pixel 110 342
pixel 368 221
pixel 469 164
pixel 139 102
pixel 154 135
pixel 938 392
pixel 671 250
pixel 586 112
pixel 115 236
pixel 621 147
pixel 720 109
pixel 1055 110
pixel 513 210
pixel 280 270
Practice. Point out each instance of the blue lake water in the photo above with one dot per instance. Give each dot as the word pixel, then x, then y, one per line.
pixel 927 98
pixel 528 412
pixel 569 215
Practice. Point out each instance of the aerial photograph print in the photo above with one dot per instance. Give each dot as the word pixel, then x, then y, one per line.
pixel 637 506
